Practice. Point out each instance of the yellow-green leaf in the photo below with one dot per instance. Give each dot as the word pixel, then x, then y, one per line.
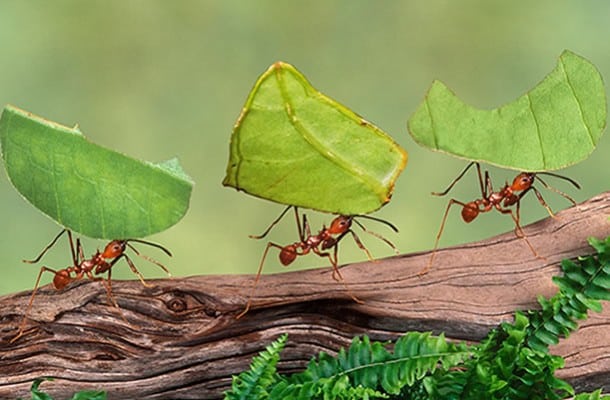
pixel 294 145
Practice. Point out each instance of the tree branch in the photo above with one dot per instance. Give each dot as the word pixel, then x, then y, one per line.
pixel 183 341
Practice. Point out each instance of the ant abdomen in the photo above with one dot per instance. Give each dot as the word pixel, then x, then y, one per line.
pixel 470 211
pixel 287 255
pixel 61 279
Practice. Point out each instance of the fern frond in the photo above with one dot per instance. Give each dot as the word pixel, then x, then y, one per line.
pixel 581 288
pixel 597 395
pixel 513 362
pixel 253 384
pixel 372 367
pixel 336 388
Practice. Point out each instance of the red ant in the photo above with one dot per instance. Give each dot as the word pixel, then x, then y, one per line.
pixel 500 200
pixel 326 239
pixel 96 265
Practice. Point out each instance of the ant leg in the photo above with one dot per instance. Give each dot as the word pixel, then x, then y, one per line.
pixel 79 251
pixel 543 202
pixel 274 223
pixel 518 230
pixel 516 219
pixel 132 267
pixel 334 263
pixel 488 189
pixel 334 259
pixel 72 250
pixel 559 192
pixel 108 285
pixel 440 233
pixel 444 192
pixel 361 245
pixel 301 227
pixel 31 302
pixel 305 232
pixel 149 259
pixel 111 299
pixel 48 247
pixel 377 235
pixel 258 275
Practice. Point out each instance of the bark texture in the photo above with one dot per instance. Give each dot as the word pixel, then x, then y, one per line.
pixel 180 338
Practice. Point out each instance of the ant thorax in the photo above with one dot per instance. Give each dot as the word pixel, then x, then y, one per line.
pixel 497 197
pixel 315 240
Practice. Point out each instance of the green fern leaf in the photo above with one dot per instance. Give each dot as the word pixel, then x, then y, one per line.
pixel 253 384
pixel 597 395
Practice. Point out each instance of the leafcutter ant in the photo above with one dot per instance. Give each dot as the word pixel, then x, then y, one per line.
pixel 99 263
pixel 321 244
pixel 502 200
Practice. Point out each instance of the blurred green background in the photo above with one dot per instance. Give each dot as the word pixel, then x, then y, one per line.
pixel 156 79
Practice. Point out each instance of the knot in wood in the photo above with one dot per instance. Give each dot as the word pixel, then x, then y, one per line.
pixel 177 304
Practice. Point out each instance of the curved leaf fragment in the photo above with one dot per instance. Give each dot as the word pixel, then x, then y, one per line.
pixel 293 145
pixel 556 124
pixel 89 189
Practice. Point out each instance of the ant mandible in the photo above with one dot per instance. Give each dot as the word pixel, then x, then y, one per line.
pixel 501 200
pixel 320 244
pixel 96 265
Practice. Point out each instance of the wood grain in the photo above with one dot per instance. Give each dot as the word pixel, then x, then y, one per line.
pixel 182 339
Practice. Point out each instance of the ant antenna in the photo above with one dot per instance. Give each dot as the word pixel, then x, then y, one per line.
pixel 156 245
pixel 377 235
pixel 147 258
pixel 565 178
pixel 383 221
pixel 559 192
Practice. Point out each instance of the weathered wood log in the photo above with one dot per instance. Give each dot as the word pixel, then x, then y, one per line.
pixel 182 339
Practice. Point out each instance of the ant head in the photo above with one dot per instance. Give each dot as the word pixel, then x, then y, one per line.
pixel 340 225
pixel 114 249
pixel 523 181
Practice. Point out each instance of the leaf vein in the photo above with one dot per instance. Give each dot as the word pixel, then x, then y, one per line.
pixel 324 151
pixel 580 109
pixel 538 134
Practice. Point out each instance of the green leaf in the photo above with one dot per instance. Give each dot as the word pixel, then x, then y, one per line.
pixel 254 383
pixel 87 188
pixel 90 395
pixel 597 395
pixel 37 394
pixel 293 145
pixel 556 124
